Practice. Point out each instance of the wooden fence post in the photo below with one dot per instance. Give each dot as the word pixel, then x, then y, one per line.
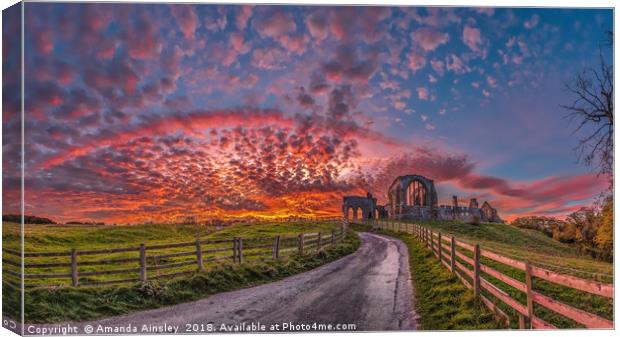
pixel 439 245
pixel 530 294
pixel 234 248
pixel 143 275
pixel 301 244
pixel 74 272
pixel 240 250
pixel 276 247
pixel 477 272
pixel 318 242
pixel 333 237
pixel 521 321
pixel 452 254
pixel 199 256
pixel 432 242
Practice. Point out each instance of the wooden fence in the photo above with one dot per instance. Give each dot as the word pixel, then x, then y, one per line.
pixel 141 263
pixel 464 260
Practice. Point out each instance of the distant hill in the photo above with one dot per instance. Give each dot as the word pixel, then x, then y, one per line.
pixel 31 219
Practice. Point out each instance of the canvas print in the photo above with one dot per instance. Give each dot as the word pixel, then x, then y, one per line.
pixel 223 168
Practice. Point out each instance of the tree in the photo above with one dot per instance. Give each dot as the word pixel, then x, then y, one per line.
pixel 605 233
pixel 593 107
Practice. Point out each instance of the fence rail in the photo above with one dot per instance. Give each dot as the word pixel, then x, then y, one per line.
pixel 141 263
pixel 445 248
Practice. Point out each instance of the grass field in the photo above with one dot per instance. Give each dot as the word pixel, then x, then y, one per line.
pixel 50 238
pixel 533 246
pixel 83 303
pixel 44 238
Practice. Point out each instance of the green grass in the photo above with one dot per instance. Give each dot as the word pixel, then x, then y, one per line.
pixel 50 238
pixel 527 245
pixel 538 249
pixel 44 238
pixel 440 299
pixel 87 303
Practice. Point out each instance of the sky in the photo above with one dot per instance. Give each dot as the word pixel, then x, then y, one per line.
pixel 155 112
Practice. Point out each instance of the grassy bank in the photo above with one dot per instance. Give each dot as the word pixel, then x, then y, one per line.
pixel 527 245
pixel 440 299
pixel 55 304
pixel 535 247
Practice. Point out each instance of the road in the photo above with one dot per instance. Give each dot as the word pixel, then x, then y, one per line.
pixel 370 288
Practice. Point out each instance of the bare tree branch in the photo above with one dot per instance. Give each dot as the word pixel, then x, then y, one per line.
pixel 593 106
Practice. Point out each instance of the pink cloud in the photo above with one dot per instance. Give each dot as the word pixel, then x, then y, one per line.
pixel 44 41
pixel 316 23
pixel 142 37
pixel 438 66
pixel 187 19
pixel 491 81
pixel 416 62
pixel 295 43
pixel 279 27
pixel 456 65
pixel 243 15
pixel 473 39
pixel 422 93
pixel 429 39
pixel 269 58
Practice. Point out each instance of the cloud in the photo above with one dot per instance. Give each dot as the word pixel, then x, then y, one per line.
pixel 268 58
pixel 243 16
pixel 488 11
pixel 280 27
pixel 347 23
pixel 142 37
pixel 473 39
pixel 456 65
pixel 422 93
pixel 349 64
pixel 186 18
pixel 217 22
pixel 532 22
pixel 416 61
pixel 491 81
pixel 438 66
pixel 316 23
pixel 428 39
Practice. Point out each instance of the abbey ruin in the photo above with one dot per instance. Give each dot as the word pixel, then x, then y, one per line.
pixel 413 197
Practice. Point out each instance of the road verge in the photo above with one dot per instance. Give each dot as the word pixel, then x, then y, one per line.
pixel 440 300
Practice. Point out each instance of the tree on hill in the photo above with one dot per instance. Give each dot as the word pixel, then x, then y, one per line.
pixel 589 228
pixel 604 238
pixel 547 225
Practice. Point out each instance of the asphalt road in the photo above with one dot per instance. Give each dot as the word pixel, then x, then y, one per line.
pixel 370 289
